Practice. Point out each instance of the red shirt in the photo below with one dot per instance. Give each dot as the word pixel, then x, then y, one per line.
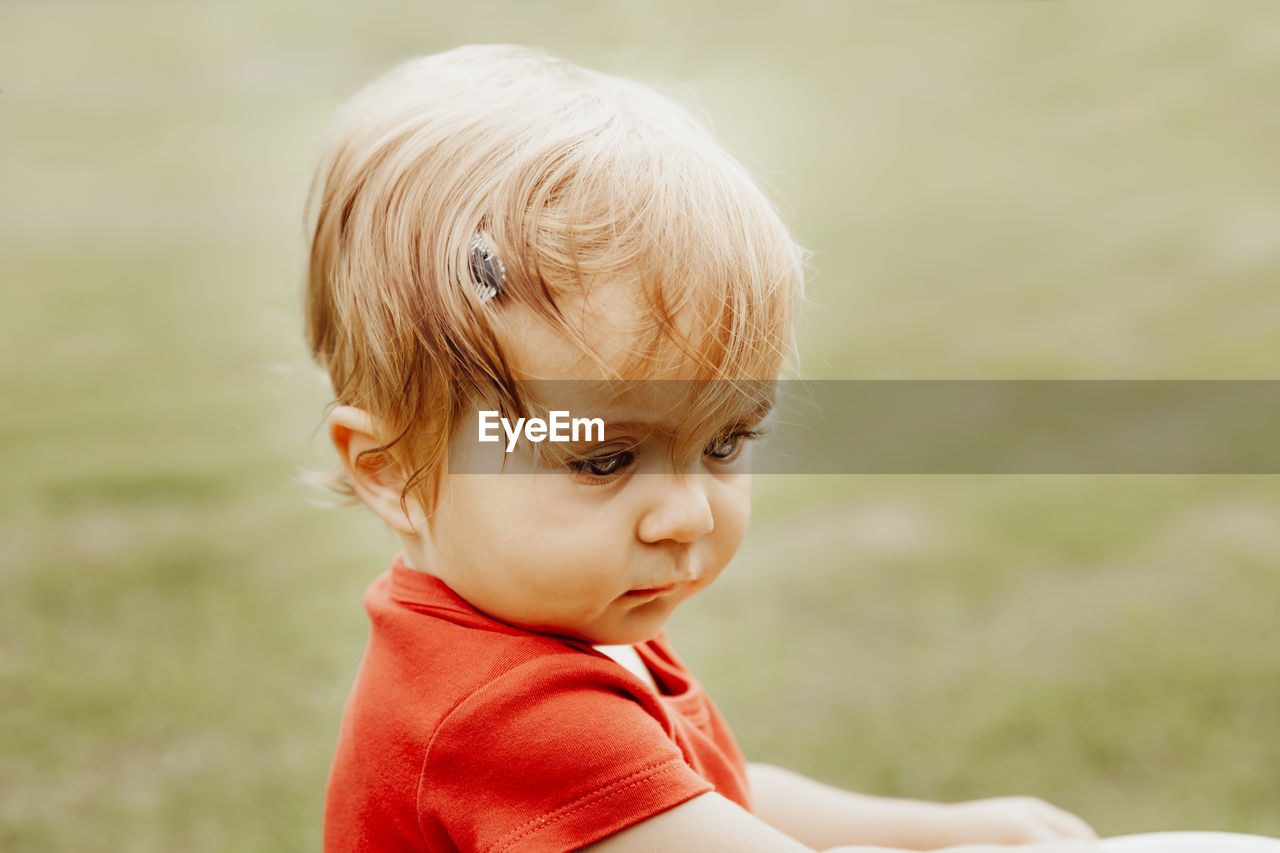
pixel 465 733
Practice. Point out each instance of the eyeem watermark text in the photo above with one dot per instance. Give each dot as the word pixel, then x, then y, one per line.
pixel 560 426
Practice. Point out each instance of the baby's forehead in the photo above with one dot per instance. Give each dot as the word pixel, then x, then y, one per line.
pixel 678 408
pixel 607 358
pixel 605 333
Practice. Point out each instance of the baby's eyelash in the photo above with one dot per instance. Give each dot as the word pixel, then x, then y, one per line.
pixel 602 469
pixel 743 433
pixel 737 437
pixel 607 467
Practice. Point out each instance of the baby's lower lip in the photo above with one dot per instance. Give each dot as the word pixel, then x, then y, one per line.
pixel 652 590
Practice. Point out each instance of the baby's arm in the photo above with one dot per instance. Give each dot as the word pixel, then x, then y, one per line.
pixel 822 816
pixel 711 823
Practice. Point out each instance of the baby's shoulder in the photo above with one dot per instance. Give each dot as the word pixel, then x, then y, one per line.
pixel 436 672
pixel 426 668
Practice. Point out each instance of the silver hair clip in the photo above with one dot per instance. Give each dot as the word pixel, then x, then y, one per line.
pixel 487 271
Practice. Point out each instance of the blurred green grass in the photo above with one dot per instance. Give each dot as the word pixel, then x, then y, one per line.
pixel 1010 189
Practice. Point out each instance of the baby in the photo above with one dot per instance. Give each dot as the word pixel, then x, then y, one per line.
pixel 502 239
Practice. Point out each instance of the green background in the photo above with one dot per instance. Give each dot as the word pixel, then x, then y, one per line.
pixel 991 189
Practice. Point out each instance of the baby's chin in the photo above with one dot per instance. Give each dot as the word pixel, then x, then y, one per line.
pixel 641 623
pixel 638 623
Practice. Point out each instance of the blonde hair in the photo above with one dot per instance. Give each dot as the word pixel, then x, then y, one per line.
pixel 570 175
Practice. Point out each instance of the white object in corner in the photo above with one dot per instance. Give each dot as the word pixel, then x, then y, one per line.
pixel 1191 842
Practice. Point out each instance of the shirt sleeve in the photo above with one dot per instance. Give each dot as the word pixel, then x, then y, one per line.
pixel 553 755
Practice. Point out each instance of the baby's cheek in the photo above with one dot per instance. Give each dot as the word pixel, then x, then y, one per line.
pixel 733 519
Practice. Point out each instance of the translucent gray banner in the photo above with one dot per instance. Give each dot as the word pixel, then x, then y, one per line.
pixel 906 426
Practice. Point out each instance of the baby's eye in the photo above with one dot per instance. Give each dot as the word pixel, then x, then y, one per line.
pixel 727 447
pixel 603 466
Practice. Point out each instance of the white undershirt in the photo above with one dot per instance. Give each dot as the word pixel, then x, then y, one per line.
pixel 630 659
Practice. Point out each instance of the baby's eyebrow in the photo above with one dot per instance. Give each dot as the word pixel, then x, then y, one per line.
pixel 747 417
pixel 759 411
pixel 635 425
pixel 751 415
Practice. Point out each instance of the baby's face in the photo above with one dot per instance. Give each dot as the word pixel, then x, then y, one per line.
pixel 601 543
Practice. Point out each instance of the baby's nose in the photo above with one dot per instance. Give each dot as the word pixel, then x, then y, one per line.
pixel 679 511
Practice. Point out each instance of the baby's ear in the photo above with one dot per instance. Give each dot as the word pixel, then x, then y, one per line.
pixel 378 481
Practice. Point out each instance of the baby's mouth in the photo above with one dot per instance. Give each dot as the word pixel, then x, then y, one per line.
pixel 651 591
